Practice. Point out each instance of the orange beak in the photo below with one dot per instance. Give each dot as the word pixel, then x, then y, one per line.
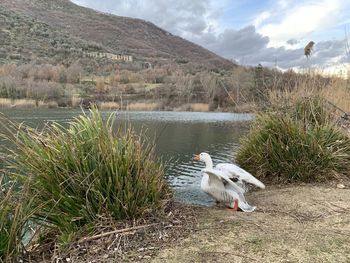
pixel 197 157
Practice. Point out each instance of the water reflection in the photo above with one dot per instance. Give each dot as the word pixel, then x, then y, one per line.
pixel 178 136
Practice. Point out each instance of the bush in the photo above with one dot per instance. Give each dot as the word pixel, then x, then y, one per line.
pixel 302 145
pixel 86 171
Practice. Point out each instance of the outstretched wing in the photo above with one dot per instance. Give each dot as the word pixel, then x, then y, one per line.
pixel 223 176
pixel 234 171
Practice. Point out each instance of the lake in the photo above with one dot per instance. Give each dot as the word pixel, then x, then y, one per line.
pixel 178 135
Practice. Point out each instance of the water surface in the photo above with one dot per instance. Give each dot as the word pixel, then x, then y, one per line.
pixel 178 135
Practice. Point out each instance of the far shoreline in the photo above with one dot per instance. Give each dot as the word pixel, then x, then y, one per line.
pixel 129 107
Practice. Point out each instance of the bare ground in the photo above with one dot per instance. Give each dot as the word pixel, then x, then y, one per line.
pixel 296 223
pixel 306 223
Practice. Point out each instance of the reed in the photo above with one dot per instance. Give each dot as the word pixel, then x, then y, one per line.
pixel 109 105
pixel 80 173
pixel 47 104
pixel 196 107
pixel 26 103
pixel 336 92
pixel 199 107
pixel 15 211
pixel 298 143
pixel 76 101
pixel 19 103
pixel 339 95
pixel 143 106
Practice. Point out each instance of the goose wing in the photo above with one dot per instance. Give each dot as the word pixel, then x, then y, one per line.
pixel 223 177
pixel 234 171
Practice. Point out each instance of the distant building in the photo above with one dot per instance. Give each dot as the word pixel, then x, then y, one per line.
pixel 117 57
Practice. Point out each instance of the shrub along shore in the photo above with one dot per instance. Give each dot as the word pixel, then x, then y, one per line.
pixel 66 181
pixel 300 142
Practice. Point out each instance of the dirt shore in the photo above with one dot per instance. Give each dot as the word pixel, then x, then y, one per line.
pixel 296 223
pixel 306 223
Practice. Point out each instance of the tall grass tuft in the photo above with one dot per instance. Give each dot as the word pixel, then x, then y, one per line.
pixel 87 170
pixel 301 144
pixel 312 111
pixel 15 211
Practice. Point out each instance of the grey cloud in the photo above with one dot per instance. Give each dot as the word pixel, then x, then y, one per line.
pixel 322 56
pixel 237 43
pixel 195 27
pixel 284 58
pixel 330 49
pixel 292 41
pixel 179 17
pixel 249 47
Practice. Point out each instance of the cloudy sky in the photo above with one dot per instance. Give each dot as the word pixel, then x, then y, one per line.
pixel 250 31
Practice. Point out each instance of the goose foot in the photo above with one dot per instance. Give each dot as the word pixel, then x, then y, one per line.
pixel 235 206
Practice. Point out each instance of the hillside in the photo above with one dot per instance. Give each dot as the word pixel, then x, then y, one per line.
pixel 25 39
pixel 77 27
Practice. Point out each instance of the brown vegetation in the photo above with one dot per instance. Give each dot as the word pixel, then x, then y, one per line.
pixel 166 87
pixel 128 240
pixel 143 106
pixel 26 103
pixel 335 90
pixel 110 105
pixel 198 107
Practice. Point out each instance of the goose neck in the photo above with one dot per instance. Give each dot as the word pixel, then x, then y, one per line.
pixel 208 163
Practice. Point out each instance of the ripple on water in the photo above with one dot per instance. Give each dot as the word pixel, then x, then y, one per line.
pixel 187 171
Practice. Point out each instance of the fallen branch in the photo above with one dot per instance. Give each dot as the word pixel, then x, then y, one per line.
pixel 87 239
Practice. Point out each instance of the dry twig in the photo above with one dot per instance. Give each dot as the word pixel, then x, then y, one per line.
pixel 87 239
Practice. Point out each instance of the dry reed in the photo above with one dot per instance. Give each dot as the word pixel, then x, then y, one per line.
pixel 27 103
pixel 143 106
pixel 47 105
pixel 200 107
pixel 20 103
pixel 76 101
pixel 110 105
pixel 335 92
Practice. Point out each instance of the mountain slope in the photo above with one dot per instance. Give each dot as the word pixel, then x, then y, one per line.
pixel 115 34
pixel 24 39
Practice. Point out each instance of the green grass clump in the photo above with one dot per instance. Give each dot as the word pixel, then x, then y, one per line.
pixel 312 111
pixel 300 145
pixel 9 229
pixel 14 215
pixel 87 170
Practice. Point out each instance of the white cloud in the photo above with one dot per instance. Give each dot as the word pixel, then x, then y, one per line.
pixel 261 18
pixel 301 20
pixel 282 4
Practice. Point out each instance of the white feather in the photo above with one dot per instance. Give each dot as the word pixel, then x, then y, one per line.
pixel 238 173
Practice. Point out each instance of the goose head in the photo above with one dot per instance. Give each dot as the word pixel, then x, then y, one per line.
pixel 204 157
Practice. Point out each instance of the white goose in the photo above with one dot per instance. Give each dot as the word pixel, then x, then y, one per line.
pixel 217 182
